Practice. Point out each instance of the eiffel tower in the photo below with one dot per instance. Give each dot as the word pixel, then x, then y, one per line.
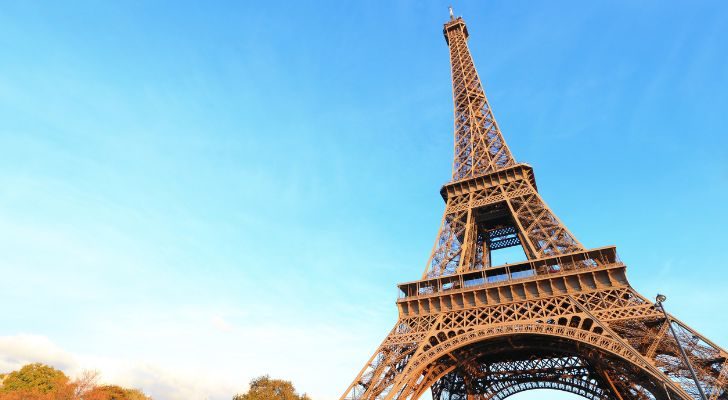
pixel 564 319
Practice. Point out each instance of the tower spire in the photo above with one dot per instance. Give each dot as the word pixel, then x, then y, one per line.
pixel 564 318
pixel 479 144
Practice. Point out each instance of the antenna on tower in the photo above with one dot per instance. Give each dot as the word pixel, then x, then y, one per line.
pixel 452 16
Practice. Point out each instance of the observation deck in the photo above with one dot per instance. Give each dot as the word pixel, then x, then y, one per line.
pixel 576 272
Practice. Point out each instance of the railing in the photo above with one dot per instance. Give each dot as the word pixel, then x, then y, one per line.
pixel 588 259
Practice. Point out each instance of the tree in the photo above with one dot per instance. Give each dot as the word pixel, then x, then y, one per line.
pixel 41 382
pixel 113 392
pixel 84 383
pixel 35 377
pixel 264 388
pixel 136 394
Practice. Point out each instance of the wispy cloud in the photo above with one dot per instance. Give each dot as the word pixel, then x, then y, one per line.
pixel 160 382
pixel 18 350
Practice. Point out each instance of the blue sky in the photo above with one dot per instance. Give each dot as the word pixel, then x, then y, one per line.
pixel 193 195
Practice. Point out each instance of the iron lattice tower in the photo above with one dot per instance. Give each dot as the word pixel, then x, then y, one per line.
pixel 566 319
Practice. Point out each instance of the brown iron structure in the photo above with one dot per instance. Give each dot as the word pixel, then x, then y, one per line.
pixel 566 319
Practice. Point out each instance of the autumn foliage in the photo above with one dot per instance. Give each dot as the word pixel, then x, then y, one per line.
pixel 265 388
pixel 41 382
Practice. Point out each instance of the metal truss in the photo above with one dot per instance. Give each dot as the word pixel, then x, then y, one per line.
pixel 502 378
pixel 479 144
pixel 506 200
pixel 565 319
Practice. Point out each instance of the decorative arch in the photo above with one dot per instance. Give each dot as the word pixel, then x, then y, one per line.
pixel 512 390
pixel 585 388
pixel 438 357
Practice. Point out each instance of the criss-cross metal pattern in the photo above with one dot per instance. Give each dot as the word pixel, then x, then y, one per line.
pixel 500 379
pixel 566 318
pixel 479 144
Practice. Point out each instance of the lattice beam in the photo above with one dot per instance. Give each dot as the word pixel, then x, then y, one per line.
pixel 479 144
pixel 565 319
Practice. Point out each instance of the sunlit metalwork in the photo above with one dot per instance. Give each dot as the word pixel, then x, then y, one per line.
pixel 565 319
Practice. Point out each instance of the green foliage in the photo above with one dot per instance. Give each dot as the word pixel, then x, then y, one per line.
pixel 35 378
pixel 41 382
pixel 264 388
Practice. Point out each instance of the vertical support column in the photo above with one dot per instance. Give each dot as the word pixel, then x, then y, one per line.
pixel 467 259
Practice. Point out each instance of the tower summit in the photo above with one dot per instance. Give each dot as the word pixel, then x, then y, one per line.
pixel 566 318
pixel 479 144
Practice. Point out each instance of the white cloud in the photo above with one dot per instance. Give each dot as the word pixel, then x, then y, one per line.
pixel 161 383
pixel 203 353
pixel 18 350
